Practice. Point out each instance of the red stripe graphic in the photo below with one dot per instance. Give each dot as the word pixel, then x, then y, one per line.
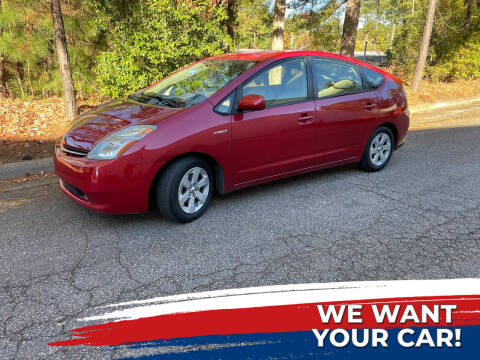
pixel 270 319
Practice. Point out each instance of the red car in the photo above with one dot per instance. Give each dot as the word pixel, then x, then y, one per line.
pixel 228 122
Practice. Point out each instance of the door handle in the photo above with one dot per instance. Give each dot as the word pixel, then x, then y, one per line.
pixel 305 119
pixel 370 106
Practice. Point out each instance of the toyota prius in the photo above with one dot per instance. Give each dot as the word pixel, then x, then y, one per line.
pixel 228 122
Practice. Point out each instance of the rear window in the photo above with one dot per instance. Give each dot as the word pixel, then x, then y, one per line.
pixel 336 78
pixel 374 79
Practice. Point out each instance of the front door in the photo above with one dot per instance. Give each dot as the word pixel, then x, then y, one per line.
pixel 282 137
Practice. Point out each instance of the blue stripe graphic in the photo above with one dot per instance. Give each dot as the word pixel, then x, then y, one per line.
pixel 303 345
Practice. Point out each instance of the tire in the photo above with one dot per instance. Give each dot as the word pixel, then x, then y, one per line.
pixel 175 184
pixel 378 151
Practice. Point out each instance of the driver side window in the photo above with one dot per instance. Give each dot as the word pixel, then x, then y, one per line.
pixel 281 84
pixel 335 78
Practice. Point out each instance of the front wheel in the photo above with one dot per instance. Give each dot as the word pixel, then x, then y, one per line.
pixel 378 150
pixel 185 189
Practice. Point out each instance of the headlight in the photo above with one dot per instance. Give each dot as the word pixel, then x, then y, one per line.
pixel 117 143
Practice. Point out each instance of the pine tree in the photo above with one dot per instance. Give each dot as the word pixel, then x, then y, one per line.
pixel 232 13
pixel 422 56
pixel 3 75
pixel 254 25
pixel 468 15
pixel 63 61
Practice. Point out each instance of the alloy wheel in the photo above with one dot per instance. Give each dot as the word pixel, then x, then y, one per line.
pixel 380 149
pixel 193 190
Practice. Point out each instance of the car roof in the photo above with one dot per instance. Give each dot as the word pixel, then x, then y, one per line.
pixel 249 55
pixel 265 55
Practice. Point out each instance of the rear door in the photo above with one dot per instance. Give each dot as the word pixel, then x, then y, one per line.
pixel 280 138
pixel 344 108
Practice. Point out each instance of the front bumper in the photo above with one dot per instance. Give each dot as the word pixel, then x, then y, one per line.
pixel 117 186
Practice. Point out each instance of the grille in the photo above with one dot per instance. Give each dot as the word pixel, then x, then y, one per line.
pixel 70 150
pixel 74 190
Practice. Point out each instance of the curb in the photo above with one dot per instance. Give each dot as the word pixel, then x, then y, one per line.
pixel 441 105
pixel 32 167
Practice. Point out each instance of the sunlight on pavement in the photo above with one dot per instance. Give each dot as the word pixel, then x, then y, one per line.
pixel 448 118
pixel 6 205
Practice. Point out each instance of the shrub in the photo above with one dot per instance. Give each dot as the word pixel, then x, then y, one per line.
pixel 166 36
pixel 453 54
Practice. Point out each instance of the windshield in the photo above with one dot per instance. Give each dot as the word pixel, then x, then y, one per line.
pixel 193 84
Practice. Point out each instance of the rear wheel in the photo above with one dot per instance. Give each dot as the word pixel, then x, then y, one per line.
pixel 378 150
pixel 185 189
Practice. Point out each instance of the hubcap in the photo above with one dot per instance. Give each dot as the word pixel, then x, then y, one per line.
pixel 193 190
pixel 380 149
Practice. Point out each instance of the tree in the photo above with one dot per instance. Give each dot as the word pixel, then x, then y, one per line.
pixel 254 28
pixel 377 21
pixel 350 25
pixel 168 35
pixel 278 25
pixel 392 36
pixel 392 12
pixel 3 81
pixel 63 61
pixel 422 56
pixel 15 48
pixel 27 46
pixel 468 15
pixel 314 25
pixel 232 11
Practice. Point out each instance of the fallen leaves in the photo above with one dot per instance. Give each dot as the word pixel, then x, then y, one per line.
pixel 28 129
pixel 431 92
pixel 31 120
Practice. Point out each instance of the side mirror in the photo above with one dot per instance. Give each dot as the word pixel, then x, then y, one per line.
pixel 251 102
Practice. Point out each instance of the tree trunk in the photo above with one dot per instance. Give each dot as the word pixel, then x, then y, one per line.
pixel 3 80
pixel 377 20
pixel 392 37
pixel 63 61
pixel 350 25
pixel 278 25
pixel 231 17
pixel 468 15
pixel 18 75
pixel 422 56
pixel 29 79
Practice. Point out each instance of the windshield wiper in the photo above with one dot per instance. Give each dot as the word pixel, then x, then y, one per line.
pixel 164 99
pixel 138 97
pixel 161 98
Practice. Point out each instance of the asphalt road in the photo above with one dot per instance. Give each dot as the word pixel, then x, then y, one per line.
pixel 419 218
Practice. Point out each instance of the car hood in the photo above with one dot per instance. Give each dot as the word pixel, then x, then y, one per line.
pixel 91 127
